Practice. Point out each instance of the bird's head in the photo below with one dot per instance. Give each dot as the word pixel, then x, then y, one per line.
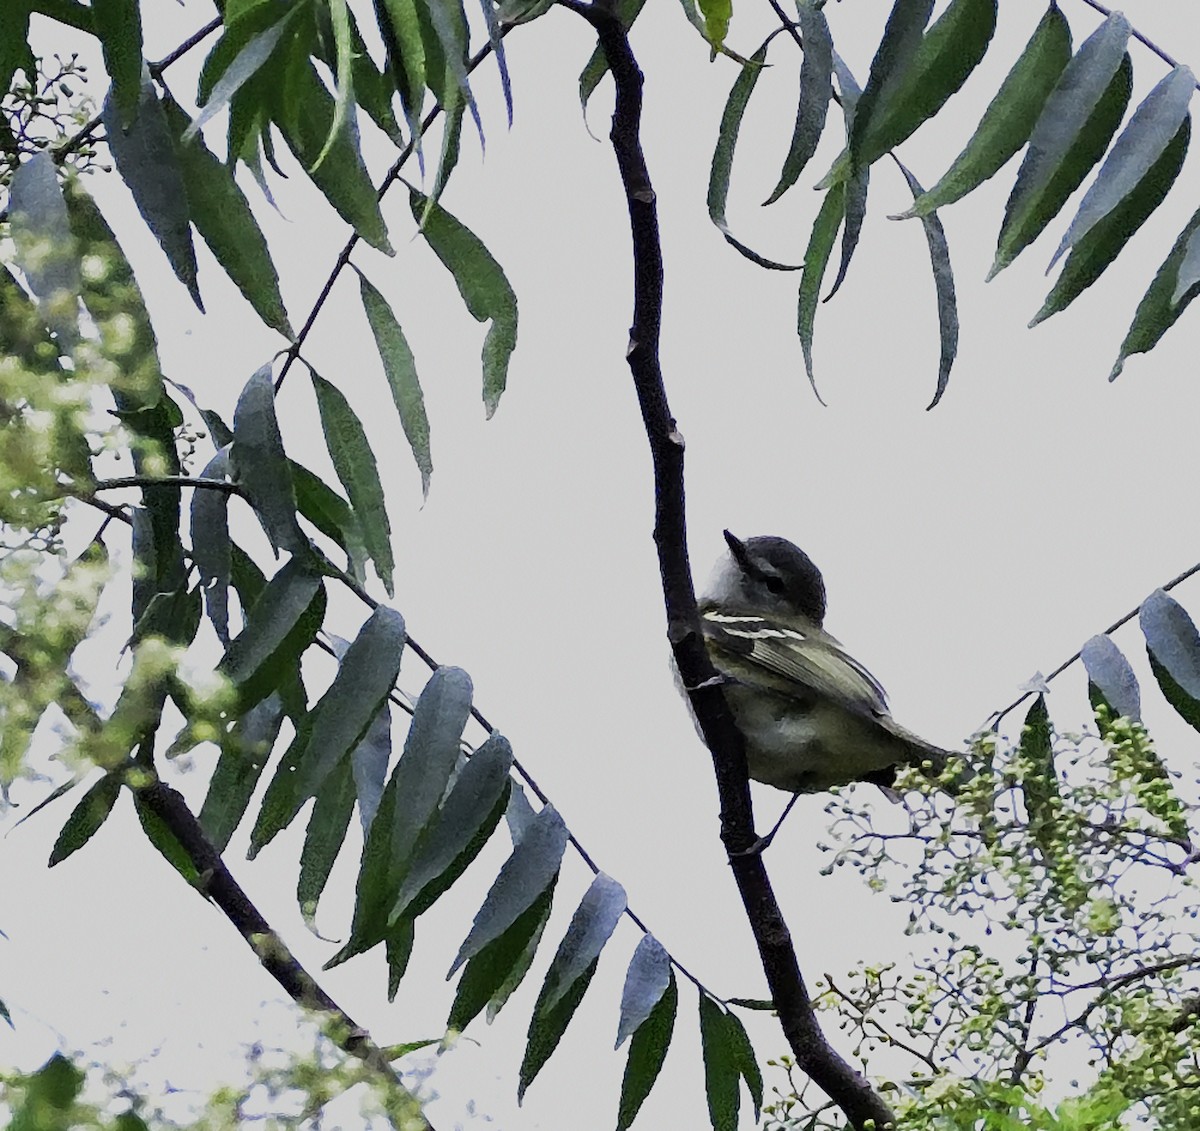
pixel 769 576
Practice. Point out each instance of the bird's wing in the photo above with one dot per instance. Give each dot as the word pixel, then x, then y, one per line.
pixel 793 659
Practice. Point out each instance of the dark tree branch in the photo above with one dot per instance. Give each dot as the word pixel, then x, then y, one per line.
pixel 839 1080
pixel 217 881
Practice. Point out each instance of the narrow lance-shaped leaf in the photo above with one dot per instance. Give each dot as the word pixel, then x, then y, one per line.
pixel 146 159
pixel 946 55
pixel 816 90
pixel 46 249
pixel 1110 675
pixel 717 14
pixel 854 212
pixel 364 679
pixel 483 285
pixel 744 1058
pixel 346 440
pixel 816 259
pixel 1173 645
pixel 1153 128
pixel 943 285
pixel 244 754
pixel 525 874
pixel 210 544
pixel 721 1068
pixel 279 628
pixel 647 1051
pixel 1039 782
pixel 646 980
pixel 901 38
pixel 167 844
pixel 339 17
pixel 401 372
pixel 501 964
pixel 260 464
pixel 1102 243
pixel 593 923
pixel 445 34
pixel 1189 270
pixel 463 824
pixel 1009 119
pixel 369 763
pixel 118 24
pixel 118 310
pixel 86 818
pixel 323 839
pixel 547 1026
pixel 401 31
pixel 1163 303
pixel 722 160
pixel 496 42
pixel 597 66
pixel 341 176
pixel 430 753
pixel 223 218
pixel 1075 126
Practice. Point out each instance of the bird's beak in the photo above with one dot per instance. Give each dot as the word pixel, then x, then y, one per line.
pixel 737 548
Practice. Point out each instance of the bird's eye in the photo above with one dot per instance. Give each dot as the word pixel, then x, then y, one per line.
pixel 774 583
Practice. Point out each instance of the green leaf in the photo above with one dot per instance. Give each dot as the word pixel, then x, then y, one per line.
pixel 483 286
pixel 1110 675
pixel 210 544
pixel 401 372
pixel 245 751
pixel 260 465
pixel 398 944
pixel 15 52
pixel 721 1065
pixel 1039 781
pixel 943 285
pixel 1010 117
pixel 401 30
pixel 816 90
pixel 339 16
pixel 855 212
pixel 369 763
pixel 345 712
pixel 324 838
pixel 431 751
pixel 341 175
pixel 487 972
pixel 722 160
pixel 330 514
pixel 902 36
pixel 146 159
pixel 23 333
pixel 463 824
pixel 597 66
pixel 115 303
pixel 717 14
pixel 744 1058
pixel 279 627
pixel 1074 129
pixel 248 41
pixel 547 1026
pixel 164 840
pixel 1153 130
pixel 223 218
pixel 445 35
pixel 590 928
pixel 355 464
pixel 1102 243
pixel 1173 645
pixel 947 54
pixel 118 24
pixel 816 259
pixel 86 818
pixel 1163 303
pixel 527 872
pixel 647 1051
pixel 46 250
pixel 648 978
pixel 50 1093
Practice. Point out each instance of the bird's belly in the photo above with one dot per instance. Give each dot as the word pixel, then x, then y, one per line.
pixel 807 746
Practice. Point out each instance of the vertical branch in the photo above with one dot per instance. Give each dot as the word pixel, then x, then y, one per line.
pixel 847 1088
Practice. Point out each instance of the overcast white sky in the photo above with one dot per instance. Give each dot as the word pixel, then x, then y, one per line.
pixel 963 549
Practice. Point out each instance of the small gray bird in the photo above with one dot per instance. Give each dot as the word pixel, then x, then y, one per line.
pixel 813 717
